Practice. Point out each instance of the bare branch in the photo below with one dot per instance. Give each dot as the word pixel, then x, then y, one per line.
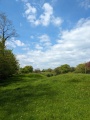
pixel 6 28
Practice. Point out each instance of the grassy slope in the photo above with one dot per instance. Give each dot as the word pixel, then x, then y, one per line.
pixel 36 97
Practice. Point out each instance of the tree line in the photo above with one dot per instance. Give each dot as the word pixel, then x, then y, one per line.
pixel 80 68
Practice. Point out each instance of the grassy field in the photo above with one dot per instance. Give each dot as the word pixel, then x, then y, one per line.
pixel 37 97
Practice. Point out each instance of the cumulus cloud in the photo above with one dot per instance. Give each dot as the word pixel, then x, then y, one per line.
pixel 30 12
pixel 45 18
pixel 85 4
pixel 56 21
pixel 72 47
pixel 45 41
pixel 14 43
pixel 38 47
pixel 44 38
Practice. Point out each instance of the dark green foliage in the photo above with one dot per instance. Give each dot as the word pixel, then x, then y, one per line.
pixel 43 70
pixel 65 68
pixel 72 69
pixel 49 75
pixel 87 67
pixel 47 70
pixel 27 69
pixel 8 64
pixel 37 70
pixel 57 71
pixel 80 68
pixel 83 68
pixel 62 69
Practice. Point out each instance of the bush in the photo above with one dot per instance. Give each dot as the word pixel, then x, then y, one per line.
pixel 26 69
pixel 49 75
pixel 57 71
pixel 80 68
pixel 65 68
pixel 8 64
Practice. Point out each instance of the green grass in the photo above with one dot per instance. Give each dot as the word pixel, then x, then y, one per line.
pixel 37 97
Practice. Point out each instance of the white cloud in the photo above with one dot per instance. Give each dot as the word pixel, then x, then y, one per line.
pixel 85 4
pixel 43 19
pixel 38 47
pixel 44 38
pixel 10 44
pixel 30 12
pixel 57 21
pixel 14 43
pixel 73 47
pixel 18 43
pixel 30 9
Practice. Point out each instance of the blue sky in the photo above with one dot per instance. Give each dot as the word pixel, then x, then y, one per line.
pixel 51 32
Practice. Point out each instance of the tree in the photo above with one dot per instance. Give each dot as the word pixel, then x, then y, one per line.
pixel 87 67
pixel 6 29
pixel 49 70
pixel 57 71
pixel 37 70
pixel 65 68
pixel 43 70
pixel 72 69
pixel 27 69
pixel 80 68
pixel 8 63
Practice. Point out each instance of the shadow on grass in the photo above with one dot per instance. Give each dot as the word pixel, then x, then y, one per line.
pixel 20 100
pixel 10 80
pixel 74 81
pixel 21 97
pixel 19 78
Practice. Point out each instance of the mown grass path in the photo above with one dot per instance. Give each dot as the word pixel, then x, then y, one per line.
pixel 36 97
